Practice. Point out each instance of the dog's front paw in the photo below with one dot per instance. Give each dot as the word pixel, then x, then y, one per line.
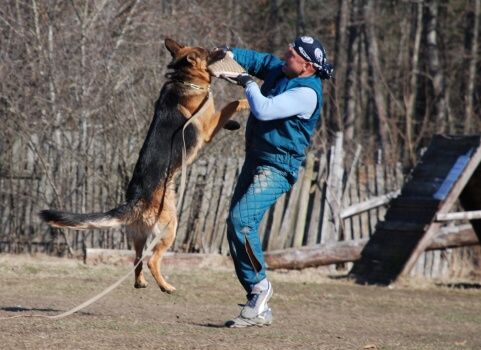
pixel 242 105
pixel 232 125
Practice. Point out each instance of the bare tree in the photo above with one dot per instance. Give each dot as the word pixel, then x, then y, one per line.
pixel 472 45
pixel 274 32
pixel 413 82
pixel 376 78
pixel 435 68
pixel 336 89
pixel 301 23
pixel 351 83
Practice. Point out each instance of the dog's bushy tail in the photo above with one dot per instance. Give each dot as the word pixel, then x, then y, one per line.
pixel 121 215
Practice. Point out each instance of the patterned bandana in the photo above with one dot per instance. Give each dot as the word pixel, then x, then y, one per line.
pixel 312 51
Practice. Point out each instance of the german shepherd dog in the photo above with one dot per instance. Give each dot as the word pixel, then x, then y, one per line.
pixel 150 206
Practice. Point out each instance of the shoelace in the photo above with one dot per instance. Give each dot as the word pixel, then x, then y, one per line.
pixel 252 300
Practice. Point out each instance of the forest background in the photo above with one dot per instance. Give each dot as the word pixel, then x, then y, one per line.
pixel 79 79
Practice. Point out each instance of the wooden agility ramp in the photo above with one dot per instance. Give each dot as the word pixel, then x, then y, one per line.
pixel 449 170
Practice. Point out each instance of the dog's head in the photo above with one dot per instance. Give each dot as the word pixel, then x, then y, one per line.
pixel 191 60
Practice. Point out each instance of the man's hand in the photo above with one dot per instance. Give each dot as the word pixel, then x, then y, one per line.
pixel 221 51
pixel 243 79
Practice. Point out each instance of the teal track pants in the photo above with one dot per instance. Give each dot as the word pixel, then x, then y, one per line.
pixel 257 189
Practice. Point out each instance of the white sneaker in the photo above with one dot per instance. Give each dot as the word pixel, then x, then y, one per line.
pixel 257 302
pixel 263 319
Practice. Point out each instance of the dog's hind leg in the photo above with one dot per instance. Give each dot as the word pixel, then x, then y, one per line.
pixel 166 226
pixel 139 237
pixel 168 236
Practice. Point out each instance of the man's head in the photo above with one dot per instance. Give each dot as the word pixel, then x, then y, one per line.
pixel 306 56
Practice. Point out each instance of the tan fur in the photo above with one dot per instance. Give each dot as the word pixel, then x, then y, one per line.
pixel 159 216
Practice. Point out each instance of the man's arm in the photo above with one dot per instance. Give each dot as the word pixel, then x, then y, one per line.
pixel 299 101
pixel 256 63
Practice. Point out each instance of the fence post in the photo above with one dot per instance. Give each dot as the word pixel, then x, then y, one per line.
pixel 304 202
pixel 332 205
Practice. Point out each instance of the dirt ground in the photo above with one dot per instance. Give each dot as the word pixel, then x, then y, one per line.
pixel 313 309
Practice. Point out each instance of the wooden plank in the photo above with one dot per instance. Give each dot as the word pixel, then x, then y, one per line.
pixel 274 236
pixel 327 225
pixel 290 215
pixel 200 211
pixel 346 201
pixel 223 211
pixel 371 170
pixel 316 212
pixel 225 243
pixel 354 194
pixel 363 196
pixel 436 264
pixel 184 223
pixel 380 188
pixel 352 171
pixel 372 203
pixel 208 206
pixel 464 215
pixel 346 223
pixel 337 189
pixel 304 195
pixel 217 177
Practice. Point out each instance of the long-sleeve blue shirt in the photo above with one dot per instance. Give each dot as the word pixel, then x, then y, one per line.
pixel 300 102
pixel 284 112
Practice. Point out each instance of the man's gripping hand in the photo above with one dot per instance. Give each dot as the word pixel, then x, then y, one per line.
pixel 221 51
pixel 243 79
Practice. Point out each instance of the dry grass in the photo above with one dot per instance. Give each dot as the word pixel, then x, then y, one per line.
pixel 312 310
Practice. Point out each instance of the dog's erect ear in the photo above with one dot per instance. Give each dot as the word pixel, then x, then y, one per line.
pixel 173 46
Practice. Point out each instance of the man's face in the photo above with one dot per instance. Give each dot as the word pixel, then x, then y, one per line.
pixel 295 65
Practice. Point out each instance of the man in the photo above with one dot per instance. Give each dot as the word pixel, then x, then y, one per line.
pixel 284 113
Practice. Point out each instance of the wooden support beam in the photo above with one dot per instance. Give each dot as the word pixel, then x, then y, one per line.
pixel 368 205
pixel 462 215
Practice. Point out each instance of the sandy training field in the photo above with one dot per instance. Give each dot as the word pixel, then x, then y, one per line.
pixel 312 309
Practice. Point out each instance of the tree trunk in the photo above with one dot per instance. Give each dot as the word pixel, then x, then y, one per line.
pixel 352 86
pixel 233 18
pixel 301 23
pixel 348 251
pixel 376 79
pixel 435 68
pixel 333 111
pixel 413 82
pixel 273 37
pixel 472 35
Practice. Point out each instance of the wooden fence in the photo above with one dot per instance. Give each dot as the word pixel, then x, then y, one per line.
pixel 318 209
pixel 328 203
